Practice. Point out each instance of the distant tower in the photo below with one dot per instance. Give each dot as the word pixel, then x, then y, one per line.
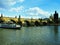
pixel 1 15
pixel 19 18
pixel 56 17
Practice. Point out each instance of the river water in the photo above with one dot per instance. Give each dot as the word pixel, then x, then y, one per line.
pixel 44 35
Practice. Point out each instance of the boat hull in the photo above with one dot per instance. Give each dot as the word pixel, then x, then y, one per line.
pixel 10 26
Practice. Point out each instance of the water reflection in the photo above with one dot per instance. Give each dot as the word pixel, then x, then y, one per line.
pixel 55 34
pixel 56 30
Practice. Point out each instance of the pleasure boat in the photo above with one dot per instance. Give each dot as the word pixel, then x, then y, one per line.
pixel 10 26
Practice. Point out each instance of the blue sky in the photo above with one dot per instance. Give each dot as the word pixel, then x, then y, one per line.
pixel 29 8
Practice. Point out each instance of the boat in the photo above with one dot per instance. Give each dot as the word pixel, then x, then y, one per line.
pixel 10 26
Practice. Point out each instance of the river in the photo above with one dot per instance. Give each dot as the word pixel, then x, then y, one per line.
pixel 43 35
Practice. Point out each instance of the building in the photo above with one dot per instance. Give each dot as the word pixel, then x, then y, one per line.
pixel 55 17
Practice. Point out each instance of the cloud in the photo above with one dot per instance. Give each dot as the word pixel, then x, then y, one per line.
pixel 21 1
pixel 36 11
pixel 1 9
pixel 17 9
pixel 9 3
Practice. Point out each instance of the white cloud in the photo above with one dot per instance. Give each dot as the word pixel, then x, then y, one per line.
pixel 2 9
pixel 37 11
pixel 10 2
pixel 17 9
pixel 21 1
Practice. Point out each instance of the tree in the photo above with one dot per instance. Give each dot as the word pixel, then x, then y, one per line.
pixel 40 20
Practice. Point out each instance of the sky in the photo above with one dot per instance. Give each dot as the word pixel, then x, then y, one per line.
pixel 29 8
